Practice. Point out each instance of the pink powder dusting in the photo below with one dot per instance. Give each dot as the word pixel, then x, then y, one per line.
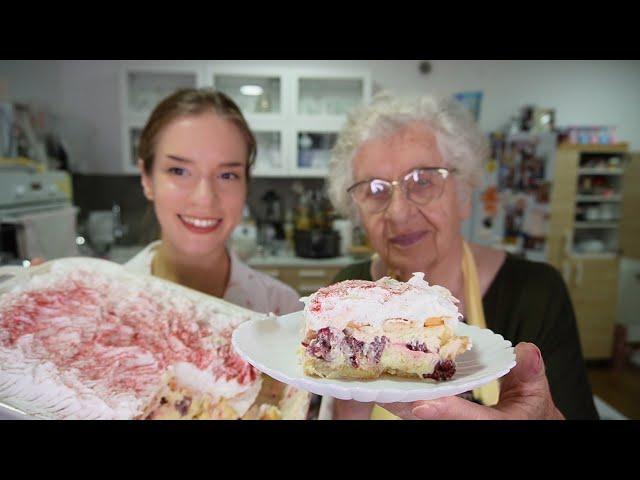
pixel 114 344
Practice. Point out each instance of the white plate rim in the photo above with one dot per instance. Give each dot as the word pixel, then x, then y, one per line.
pixel 329 387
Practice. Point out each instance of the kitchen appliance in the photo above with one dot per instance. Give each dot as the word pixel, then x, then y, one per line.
pixel 37 217
pixel 317 243
pixel 101 228
pixel 511 210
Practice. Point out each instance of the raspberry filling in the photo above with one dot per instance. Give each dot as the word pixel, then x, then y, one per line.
pixel 444 371
pixel 328 340
pixel 416 346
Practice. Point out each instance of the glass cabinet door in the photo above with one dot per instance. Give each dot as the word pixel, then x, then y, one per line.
pixel 147 88
pixel 329 96
pixel 314 150
pixel 253 94
pixel 269 160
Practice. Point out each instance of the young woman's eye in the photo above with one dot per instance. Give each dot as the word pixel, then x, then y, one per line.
pixel 229 176
pixel 177 171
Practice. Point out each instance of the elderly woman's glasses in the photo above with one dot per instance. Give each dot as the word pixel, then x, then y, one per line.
pixel 420 185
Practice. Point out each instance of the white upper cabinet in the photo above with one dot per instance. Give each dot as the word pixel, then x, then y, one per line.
pixel 294 113
pixel 255 95
pixel 328 96
pixel 261 94
pixel 322 100
pixel 145 88
pixel 141 90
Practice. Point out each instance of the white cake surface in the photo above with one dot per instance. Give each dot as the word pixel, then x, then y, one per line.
pixel 88 340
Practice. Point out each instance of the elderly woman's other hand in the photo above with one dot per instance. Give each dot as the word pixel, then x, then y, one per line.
pixel 524 395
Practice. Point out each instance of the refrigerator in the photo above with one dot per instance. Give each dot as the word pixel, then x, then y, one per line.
pixel 511 207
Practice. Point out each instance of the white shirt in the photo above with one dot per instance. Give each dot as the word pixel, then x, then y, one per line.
pixel 247 287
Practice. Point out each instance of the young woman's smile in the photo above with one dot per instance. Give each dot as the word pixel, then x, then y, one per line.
pixel 200 225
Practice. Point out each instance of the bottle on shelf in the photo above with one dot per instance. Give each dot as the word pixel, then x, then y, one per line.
pixel 289 230
pixel 303 220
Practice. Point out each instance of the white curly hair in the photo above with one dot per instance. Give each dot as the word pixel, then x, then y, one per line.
pixel 459 139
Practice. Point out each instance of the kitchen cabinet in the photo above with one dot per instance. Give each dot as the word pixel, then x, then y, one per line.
pixel 584 236
pixel 257 92
pixel 304 280
pixel 140 91
pixel 322 101
pixel 305 275
pixel 587 202
pixel 630 220
pixel 593 287
pixel 261 95
pixel 296 114
pixel 629 288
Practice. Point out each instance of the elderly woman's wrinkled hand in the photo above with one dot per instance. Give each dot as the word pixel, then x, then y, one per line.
pixel 524 395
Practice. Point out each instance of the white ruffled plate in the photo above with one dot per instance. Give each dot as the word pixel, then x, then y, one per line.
pixel 271 346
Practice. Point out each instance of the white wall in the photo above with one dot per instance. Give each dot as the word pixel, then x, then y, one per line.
pixel 85 93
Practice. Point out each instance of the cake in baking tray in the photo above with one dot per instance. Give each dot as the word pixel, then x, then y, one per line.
pixel 362 329
pixel 81 342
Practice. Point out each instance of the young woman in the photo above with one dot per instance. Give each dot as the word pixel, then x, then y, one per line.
pixel 195 155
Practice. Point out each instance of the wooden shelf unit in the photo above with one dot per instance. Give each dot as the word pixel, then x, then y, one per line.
pixel 592 278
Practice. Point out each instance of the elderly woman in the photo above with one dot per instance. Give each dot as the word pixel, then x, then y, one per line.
pixel 405 170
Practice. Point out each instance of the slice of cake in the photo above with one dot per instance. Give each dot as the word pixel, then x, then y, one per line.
pixel 362 329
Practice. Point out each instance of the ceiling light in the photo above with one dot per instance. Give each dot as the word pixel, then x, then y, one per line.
pixel 251 90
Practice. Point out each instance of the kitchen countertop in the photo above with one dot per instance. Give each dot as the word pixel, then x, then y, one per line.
pixel 122 254
pixel 293 261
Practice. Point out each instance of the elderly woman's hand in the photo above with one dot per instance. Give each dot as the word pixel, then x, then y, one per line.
pixel 524 395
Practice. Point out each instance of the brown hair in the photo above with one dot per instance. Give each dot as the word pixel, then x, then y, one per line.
pixel 192 101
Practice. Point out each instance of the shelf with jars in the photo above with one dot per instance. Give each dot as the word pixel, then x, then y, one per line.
pixel 584 236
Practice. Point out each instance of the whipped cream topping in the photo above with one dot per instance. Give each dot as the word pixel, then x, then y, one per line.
pixel 372 303
pixel 80 343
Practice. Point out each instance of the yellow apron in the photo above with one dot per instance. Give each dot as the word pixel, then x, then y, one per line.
pixel 487 394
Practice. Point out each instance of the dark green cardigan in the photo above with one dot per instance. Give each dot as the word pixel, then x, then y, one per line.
pixel 529 302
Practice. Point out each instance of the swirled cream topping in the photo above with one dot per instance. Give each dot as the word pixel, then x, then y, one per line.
pixel 364 302
pixel 80 343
